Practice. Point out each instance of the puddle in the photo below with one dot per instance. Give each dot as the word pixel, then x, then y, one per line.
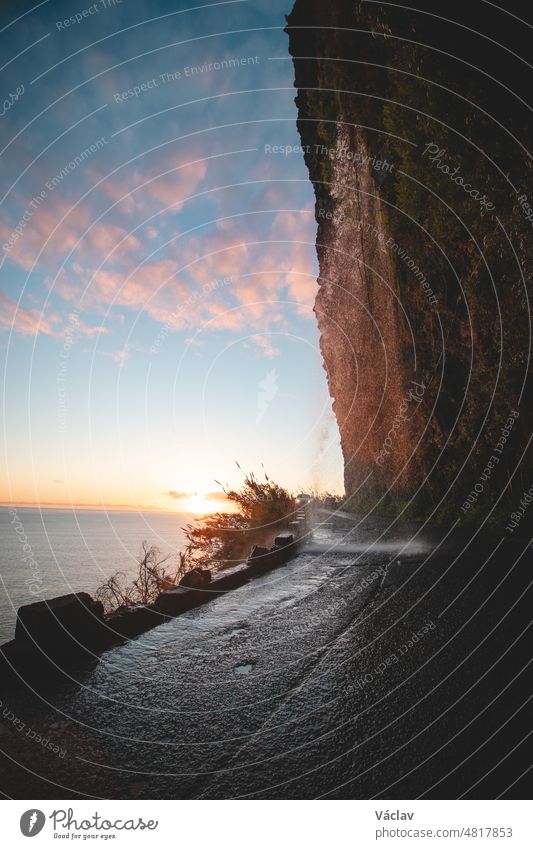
pixel 243 668
pixel 234 632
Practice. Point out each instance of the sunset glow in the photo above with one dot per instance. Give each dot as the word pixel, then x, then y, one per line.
pixel 157 307
pixel 201 504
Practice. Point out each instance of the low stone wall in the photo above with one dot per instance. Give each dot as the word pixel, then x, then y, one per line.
pixel 62 625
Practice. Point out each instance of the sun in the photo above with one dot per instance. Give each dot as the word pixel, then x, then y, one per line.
pixel 202 503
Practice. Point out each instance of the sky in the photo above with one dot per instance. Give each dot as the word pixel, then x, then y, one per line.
pixel 157 266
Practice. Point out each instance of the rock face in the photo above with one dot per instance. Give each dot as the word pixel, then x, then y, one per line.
pixel 363 330
pixel 64 625
pixel 422 303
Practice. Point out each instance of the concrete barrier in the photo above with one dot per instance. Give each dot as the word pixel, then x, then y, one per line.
pixel 263 560
pixel 65 625
pixel 179 600
pixel 231 579
pixel 132 621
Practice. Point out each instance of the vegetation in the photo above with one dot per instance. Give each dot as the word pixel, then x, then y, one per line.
pixel 217 541
pixel 224 539
pixel 155 575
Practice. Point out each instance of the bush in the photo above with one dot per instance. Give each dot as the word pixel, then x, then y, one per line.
pixel 223 539
pixel 153 577
pixel 219 540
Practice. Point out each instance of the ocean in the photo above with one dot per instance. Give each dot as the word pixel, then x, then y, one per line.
pixel 46 553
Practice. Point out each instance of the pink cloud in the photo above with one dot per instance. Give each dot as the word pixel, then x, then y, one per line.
pixel 84 329
pixel 184 291
pixel 119 192
pixel 173 188
pixel 147 192
pixel 119 357
pixel 263 343
pixel 30 322
pixel 265 266
pixel 27 322
pixel 38 234
pixel 109 238
pixel 37 225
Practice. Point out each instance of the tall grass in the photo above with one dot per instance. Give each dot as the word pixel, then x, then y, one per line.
pixel 223 539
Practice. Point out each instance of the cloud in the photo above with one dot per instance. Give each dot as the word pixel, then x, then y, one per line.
pixel 93 331
pixel 37 233
pixel 107 239
pixel 168 182
pixel 263 343
pixel 269 261
pixel 30 322
pixel 230 279
pixel 24 321
pixel 172 188
pixel 216 495
pixel 120 357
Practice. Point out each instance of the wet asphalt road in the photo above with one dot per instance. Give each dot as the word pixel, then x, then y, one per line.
pixel 365 667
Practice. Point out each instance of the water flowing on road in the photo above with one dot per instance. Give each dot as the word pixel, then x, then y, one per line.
pixel 342 673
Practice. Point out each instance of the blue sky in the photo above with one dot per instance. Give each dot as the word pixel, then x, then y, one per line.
pixel 158 268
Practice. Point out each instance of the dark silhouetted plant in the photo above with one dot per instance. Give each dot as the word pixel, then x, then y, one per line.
pixel 155 575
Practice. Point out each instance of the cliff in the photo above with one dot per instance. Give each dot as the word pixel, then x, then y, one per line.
pixel 420 168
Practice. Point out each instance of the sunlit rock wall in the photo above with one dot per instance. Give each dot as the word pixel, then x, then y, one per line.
pixel 364 334
pixel 422 303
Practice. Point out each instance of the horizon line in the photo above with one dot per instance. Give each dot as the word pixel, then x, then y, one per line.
pixel 68 505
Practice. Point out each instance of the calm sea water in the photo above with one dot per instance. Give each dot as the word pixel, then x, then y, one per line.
pixel 52 552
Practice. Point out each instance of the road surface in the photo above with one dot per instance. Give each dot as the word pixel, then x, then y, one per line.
pixel 369 666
